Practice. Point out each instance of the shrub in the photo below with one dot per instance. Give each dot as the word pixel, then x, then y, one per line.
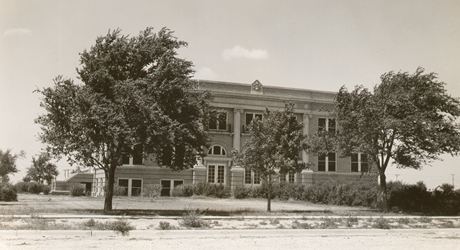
pixel 193 219
pixel 35 187
pixel 214 190
pixel 22 187
pixel 183 191
pixel 241 192
pixel 164 225
pixel 77 190
pixel 90 223
pixel 46 189
pixel 300 225
pixel 381 223
pixel 121 226
pixel 8 193
pixel 328 223
pixel 120 191
pixel 152 190
pixel 417 199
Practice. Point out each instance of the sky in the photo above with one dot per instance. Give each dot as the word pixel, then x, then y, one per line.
pixel 318 45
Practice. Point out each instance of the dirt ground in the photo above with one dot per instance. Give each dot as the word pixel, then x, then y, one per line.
pixel 342 239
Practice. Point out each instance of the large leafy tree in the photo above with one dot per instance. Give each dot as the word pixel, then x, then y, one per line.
pixel 8 163
pixel 273 147
pixel 133 91
pixel 408 120
pixel 42 169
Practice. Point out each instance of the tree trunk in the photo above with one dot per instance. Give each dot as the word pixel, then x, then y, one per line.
pixel 269 194
pixel 383 190
pixel 109 182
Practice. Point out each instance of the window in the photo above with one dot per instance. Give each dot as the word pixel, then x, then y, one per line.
pixel 251 117
pixel 326 125
pixel 136 187
pixel 211 173
pixel 247 176
pixel 359 163
pixel 220 174
pixel 291 177
pixel 138 155
pixel 217 150
pixel 251 177
pixel 123 185
pixel 218 177
pixel 326 162
pixel 331 162
pixel 168 186
pixel 125 159
pixel 218 122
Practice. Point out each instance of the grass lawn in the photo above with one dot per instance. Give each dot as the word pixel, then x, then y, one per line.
pixel 45 204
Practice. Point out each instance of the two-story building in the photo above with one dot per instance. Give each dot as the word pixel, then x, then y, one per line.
pixel 237 105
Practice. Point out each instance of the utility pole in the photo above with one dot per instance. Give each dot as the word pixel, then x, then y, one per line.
pixel 453 180
pixel 397 175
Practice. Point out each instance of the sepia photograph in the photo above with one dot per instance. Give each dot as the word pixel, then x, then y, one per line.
pixel 258 124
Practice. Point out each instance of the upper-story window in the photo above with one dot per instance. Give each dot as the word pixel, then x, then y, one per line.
pixel 325 124
pixel 218 122
pixel 137 157
pixel 251 117
pixel 359 163
pixel 326 162
pixel 217 150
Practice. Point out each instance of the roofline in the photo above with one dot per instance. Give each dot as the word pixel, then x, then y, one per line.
pixel 267 86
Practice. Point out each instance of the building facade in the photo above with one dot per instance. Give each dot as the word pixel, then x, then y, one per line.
pixel 237 105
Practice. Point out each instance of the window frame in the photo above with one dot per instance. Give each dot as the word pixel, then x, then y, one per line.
pixel 222 149
pixel 359 162
pixel 218 112
pixel 215 177
pixel 129 189
pixel 326 124
pixel 252 176
pixel 253 114
pixel 327 162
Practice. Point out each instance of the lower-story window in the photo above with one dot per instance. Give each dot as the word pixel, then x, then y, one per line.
pixel 168 186
pixel 216 174
pixel 327 162
pixel 251 177
pixel 130 187
pixel 123 185
pixel 289 177
pixel 359 163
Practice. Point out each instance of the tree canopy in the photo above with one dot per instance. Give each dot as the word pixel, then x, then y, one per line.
pixel 8 163
pixel 133 91
pixel 42 169
pixel 408 119
pixel 273 146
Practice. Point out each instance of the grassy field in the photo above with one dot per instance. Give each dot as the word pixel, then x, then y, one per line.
pixel 52 204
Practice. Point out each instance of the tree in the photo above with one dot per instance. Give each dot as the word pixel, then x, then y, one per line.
pixel 8 163
pixel 273 147
pixel 42 169
pixel 135 92
pixel 408 118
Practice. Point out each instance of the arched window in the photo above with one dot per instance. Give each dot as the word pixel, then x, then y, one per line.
pixel 217 150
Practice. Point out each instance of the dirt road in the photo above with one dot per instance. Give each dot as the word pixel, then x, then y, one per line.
pixel 341 239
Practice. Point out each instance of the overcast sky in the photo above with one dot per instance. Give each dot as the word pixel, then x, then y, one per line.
pixel 305 44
